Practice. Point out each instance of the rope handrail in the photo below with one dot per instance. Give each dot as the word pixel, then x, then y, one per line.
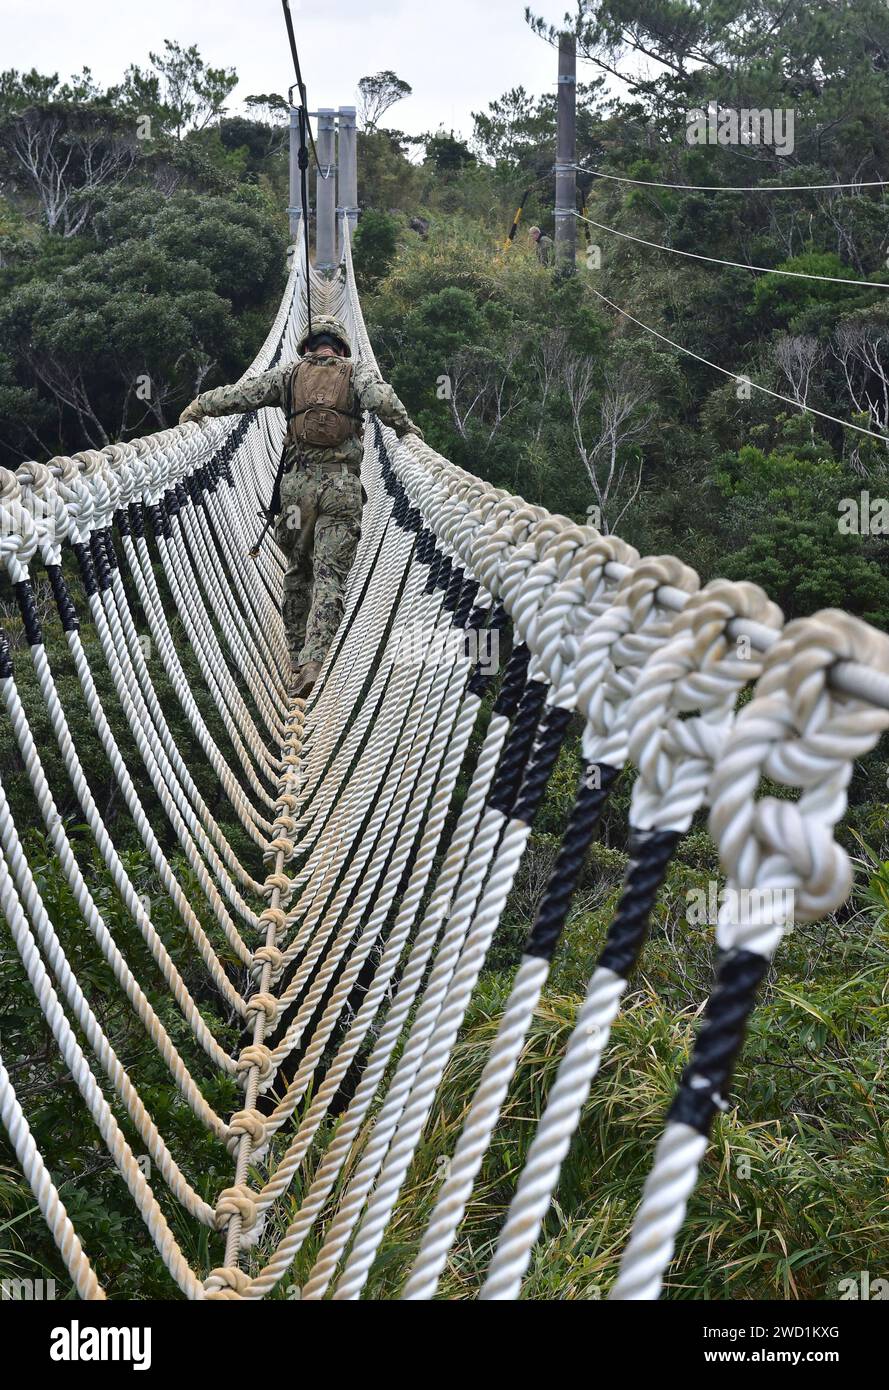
pixel 733 188
pixel 346 931
pixel 735 265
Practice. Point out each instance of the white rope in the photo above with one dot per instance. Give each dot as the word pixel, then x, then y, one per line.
pixel 735 265
pixel 735 376
pixel 734 188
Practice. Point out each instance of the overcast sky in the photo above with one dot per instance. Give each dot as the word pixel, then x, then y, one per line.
pixel 457 54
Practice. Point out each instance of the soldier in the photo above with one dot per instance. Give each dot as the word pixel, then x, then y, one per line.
pixel 544 245
pixel 323 395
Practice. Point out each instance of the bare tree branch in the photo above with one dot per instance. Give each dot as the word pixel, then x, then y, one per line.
pixel 624 421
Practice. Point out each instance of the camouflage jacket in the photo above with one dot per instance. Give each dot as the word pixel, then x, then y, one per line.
pixel 367 392
pixel 545 249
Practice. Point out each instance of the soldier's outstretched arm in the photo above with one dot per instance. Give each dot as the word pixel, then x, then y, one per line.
pixel 377 395
pixel 269 388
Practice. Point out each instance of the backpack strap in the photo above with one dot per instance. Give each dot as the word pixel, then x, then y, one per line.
pixel 289 413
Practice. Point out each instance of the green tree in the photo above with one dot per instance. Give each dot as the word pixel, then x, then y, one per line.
pixel 60 155
pixel 160 303
pixel 193 93
pixel 374 247
pixel 446 154
pixel 378 94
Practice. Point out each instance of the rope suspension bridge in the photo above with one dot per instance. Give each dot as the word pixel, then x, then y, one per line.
pixel 348 938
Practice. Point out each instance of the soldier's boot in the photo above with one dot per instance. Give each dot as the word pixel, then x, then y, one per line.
pixel 305 678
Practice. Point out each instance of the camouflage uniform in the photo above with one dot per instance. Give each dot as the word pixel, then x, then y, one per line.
pixel 545 249
pixel 321 495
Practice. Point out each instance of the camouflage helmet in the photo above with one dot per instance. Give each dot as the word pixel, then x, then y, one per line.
pixel 325 324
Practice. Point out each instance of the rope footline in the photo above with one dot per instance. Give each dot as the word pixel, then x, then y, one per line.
pixel 338 893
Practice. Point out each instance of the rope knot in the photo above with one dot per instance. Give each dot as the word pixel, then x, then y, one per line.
pixel 250 1122
pixel 507 528
pixel 227 1282
pixel 280 843
pixel 799 731
pixel 267 955
pixel 18 534
pixel 262 1004
pixel 612 652
pixel 697 672
pixel 273 881
pixel 40 497
pixel 259 1056
pixel 236 1201
pixel 569 607
pixel 273 915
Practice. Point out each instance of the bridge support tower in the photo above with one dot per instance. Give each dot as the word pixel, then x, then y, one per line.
pixel 566 157
pixel 347 170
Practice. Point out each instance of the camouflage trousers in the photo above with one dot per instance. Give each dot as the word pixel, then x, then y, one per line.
pixel 318 530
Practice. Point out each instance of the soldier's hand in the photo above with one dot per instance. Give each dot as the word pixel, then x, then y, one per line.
pixel 192 413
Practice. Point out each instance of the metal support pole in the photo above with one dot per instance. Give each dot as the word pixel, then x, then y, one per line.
pixel 325 225
pixel 347 170
pixel 566 157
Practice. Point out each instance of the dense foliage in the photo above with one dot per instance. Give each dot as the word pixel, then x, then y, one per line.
pixel 142 249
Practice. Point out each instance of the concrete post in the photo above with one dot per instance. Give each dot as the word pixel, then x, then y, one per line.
pixel 347 170
pixel 566 157
pixel 325 228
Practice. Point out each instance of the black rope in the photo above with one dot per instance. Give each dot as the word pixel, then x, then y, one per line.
pixel 592 793
pixel 303 162
pixel 5 656
pixel 303 156
pixel 106 537
pixel 62 596
pixel 517 749
pixel 305 130
pixel 454 589
pixel 706 1078
pixel 435 561
pixel 553 728
pixel 493 621
pixel 288 19
pixel 100 562
pixel 513 683
pixel 87 568
pixel 465 599
pixel 650 852
pixel 28 609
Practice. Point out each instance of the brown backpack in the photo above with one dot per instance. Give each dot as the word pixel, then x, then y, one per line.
pixel 319 414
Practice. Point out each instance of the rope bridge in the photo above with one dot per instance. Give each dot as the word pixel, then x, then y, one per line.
pixel 345 934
